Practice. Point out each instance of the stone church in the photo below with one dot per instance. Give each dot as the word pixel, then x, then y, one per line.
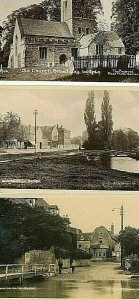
pixel 41 44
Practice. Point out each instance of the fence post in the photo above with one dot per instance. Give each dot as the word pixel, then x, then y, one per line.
pixel 22 274
pixel 35 269
pixel 6 274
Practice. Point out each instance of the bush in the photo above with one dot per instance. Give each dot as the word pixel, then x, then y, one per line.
pixel 80 254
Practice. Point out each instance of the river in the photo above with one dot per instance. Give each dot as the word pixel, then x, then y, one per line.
pixel 125 164
pixel 108 284
pixel 97 289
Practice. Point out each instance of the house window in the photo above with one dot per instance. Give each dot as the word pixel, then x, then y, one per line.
pixel 119 50
pixel 79 30
pixel 99 49
pixel 87 30
pixel 43 52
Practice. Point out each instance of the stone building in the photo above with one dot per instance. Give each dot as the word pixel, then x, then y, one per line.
pixel 102 43
pixel 42 43
pixel 100 243
pixel 64 137
pixel 50 133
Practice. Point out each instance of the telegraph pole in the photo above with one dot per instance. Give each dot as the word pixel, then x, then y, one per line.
pixel 35 120
pixel 122 227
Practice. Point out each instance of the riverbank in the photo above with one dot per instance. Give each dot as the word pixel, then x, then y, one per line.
pixel 62 170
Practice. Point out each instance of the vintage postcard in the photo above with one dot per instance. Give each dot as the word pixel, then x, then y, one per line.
pixel 69 40
pixel 69 138
pixel 49 251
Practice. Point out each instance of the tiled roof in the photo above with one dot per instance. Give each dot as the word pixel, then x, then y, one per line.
pixel 36 27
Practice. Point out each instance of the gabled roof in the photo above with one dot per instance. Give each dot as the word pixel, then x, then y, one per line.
pixel 109 37
pixel 47 131
pixel 36 27
pixel 86 40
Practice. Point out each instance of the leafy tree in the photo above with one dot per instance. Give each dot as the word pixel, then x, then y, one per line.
pixel 129 238
pixel 125 140
pixel 133 139
pixel 106 120
pixel 24 228
pixel 10 126
pixel 125 19
pixel 90 120
pixel 120 140
pixel 46 9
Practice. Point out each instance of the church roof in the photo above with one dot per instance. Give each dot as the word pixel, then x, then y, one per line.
pixel 36 27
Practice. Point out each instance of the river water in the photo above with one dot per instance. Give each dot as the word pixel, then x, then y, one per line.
pixel 125 164
pixel 98 289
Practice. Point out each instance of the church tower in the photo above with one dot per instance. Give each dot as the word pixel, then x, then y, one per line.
pixel 78 16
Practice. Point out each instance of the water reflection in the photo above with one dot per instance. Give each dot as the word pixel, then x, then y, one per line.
pixel 98 289
pixel 126 164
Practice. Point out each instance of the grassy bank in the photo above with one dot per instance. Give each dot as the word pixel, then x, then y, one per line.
pixel 60 170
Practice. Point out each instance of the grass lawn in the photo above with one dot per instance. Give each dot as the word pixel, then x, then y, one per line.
pixel 59 170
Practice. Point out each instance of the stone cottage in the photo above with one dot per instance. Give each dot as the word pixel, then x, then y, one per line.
pixel 102 43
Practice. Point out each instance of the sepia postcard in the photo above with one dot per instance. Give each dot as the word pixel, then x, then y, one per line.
pixel 69 138
pixel 69 40
pixel 49 251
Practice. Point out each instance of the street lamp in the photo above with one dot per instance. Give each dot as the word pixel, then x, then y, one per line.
pixel 35 120
pixel 122 227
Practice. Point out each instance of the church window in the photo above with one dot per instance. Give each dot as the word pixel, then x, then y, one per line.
pixel 79 30
pixel 43 52
pixel 87 30
pixel 74 52
pixel 66 4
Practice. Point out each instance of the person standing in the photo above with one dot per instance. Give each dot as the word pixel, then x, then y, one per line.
pixel 60 265
pixel 73 266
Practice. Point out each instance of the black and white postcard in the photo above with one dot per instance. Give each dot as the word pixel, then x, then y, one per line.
pixel 69 40
pixel 69 138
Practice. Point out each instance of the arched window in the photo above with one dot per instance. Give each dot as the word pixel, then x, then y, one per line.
pixel 62 59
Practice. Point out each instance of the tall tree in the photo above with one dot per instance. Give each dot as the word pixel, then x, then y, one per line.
pixel 106 120
pixel 125 15
pixel 90 120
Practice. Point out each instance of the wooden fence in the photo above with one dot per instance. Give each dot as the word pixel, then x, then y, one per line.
pixel 89 63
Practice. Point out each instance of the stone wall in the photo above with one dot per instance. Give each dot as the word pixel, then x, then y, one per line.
pixel 82 262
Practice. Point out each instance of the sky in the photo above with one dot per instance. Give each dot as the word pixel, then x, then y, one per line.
pixel 87 209
pixel 87 212
pixel 65 105
pixel 7 6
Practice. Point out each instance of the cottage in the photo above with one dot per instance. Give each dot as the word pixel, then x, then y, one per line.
pixel 102 43
pixel 50 133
